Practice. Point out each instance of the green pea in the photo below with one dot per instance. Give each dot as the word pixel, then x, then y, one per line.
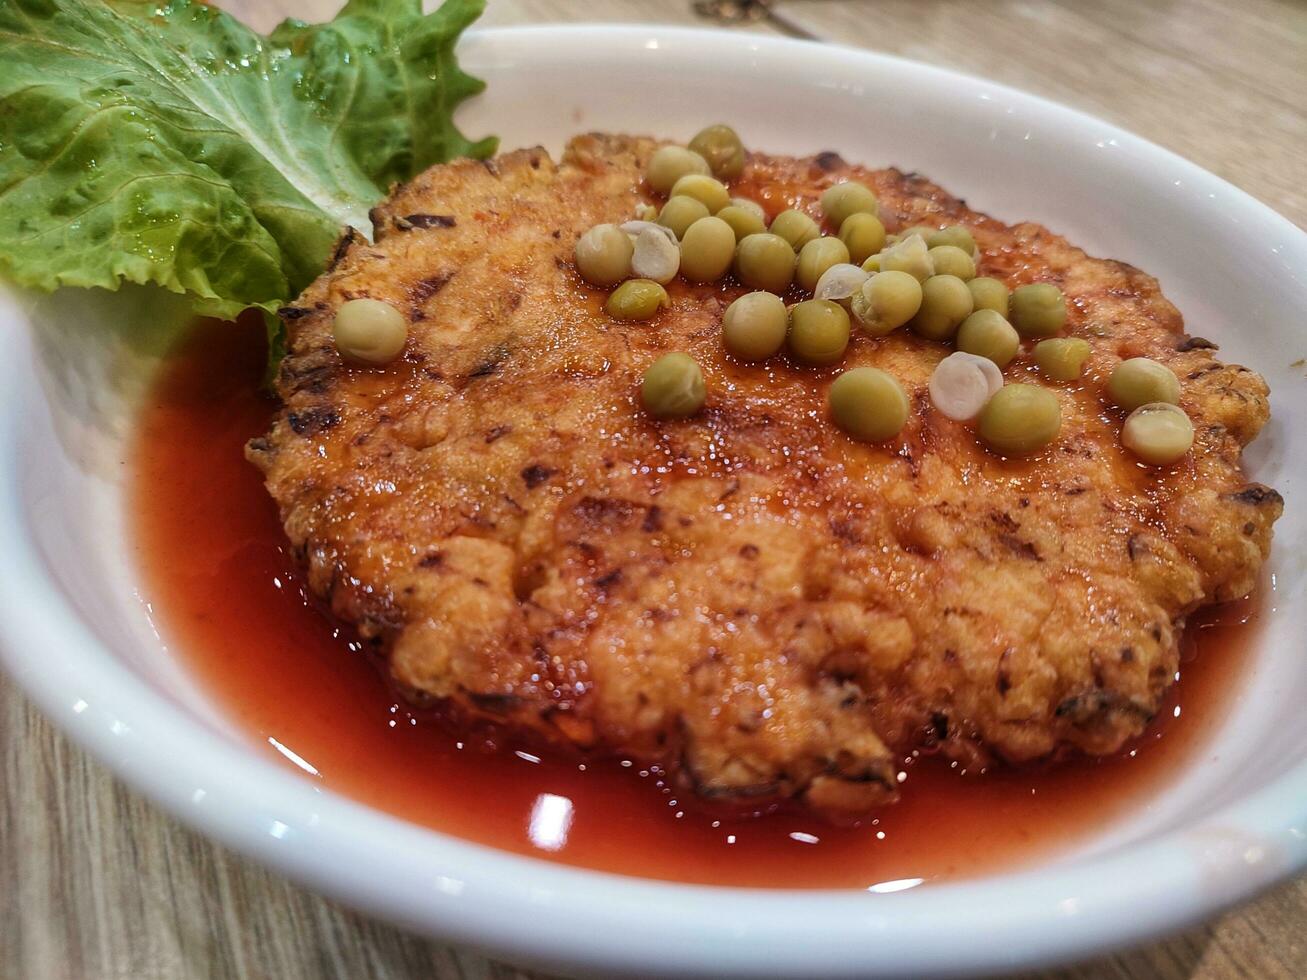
pixel 819 331
pixel 986 334
pixel 863 235
pixel 989 294
pixel 765 261
pixel 841 200
pixel 868 404
pixel 681 212
pixel 885 302
pixel 754 326
pixel 369 331
pixel 710 192
pixel 707 250
pixel 795 227
pixel 1159 433
pixel 954 235
pixel 636 299
pixel 872 264
pixel 1061 358
pixel 1141 380
pixel 603 255
pixel 1038 310
pixel 742 221
pixel 673 387
pixel 952 261
pixel 670 163
pixel 816 257
pixel 721 147
pixel 945 303
pixel 1020 419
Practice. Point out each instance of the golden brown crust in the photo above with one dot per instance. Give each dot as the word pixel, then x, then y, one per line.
pixel 746 596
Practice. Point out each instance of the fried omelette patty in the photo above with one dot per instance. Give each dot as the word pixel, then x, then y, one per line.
pixel 761 604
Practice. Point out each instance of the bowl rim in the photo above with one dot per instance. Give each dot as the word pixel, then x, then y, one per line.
pixel 556 916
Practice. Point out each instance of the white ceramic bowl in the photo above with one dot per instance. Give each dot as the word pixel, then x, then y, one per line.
pixel 77 638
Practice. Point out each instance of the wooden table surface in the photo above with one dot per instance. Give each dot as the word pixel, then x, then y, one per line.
pixel 95 882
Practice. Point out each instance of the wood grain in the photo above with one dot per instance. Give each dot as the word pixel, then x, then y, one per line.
pixel 96 882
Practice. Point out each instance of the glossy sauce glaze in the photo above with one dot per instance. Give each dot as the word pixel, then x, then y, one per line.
pixel 227 595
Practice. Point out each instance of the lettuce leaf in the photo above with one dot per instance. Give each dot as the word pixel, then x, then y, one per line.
pixel 162 141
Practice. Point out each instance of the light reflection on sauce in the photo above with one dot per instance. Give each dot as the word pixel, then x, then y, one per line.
pixel 232 603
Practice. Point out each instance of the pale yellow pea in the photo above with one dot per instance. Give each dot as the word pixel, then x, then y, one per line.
pixel 1038 310
pixel 945 303
pixel 765 261
pixel 743 221
pixel 369 331
pixel 989 294
pixel 670 163
pixel 885 302
pixel 1159 433
pixel 1020 419
pixel 603 255
pixel 863 235
pixel 754 326
pixel 707 250
pixel 952 261
pixel 816 257
pixel 1062 358
pixel 795 227
pixel 681 212
pixel 986 334
pixel 846 198
pixel 708 190
pixel 1141 380
pixel 954 235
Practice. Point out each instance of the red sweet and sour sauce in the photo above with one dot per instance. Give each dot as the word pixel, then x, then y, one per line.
pixel 230 601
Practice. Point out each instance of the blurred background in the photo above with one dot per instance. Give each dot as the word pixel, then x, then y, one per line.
pixel 1223 84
